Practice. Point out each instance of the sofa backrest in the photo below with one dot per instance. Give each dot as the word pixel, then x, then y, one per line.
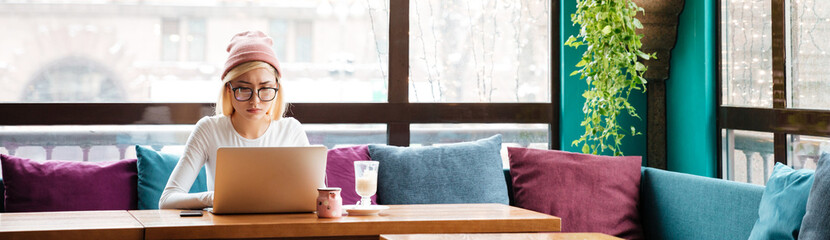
pixel 509 179
pixel 2 196
pixel 683 206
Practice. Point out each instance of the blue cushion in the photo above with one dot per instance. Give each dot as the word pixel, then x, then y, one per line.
pixel 469 172
pixel 783 203
pixel 154 168
pixel 681 206
pixel 817 218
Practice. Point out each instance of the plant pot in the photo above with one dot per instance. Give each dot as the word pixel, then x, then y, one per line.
pixel 659 34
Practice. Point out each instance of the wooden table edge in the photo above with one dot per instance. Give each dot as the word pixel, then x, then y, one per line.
pixel 539 222
pixel 546 236
pixel 299 230
pixel 86 232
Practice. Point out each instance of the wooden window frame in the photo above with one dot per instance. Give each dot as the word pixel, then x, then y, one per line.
pixel 780 119
pixel 397 113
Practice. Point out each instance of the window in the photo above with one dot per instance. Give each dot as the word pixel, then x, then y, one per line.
pixel 170 39
pixel 293 40
pixel 479 51
pixel 773 73
pixel 350 70
pixel 196 39
pixel 189 34
pixel 279 32
pixel 303 40
pixel 74 78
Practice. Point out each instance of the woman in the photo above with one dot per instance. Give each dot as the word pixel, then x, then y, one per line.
pixel 249 113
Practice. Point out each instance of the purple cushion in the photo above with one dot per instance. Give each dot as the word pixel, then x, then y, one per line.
pixel 590 193
pixel 340 171
pixel 56 185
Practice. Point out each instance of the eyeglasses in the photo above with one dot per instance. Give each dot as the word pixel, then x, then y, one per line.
pixel 242 94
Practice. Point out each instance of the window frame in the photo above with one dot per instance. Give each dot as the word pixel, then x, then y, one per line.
pixel 397 113
pixel 780 120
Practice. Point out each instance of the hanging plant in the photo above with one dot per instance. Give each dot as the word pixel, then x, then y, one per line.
pixel 611 68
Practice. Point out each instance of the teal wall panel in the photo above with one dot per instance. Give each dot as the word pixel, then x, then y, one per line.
pixel 690 93
pixel 572 101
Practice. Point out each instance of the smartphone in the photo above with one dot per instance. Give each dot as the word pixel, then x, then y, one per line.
pixel 191 213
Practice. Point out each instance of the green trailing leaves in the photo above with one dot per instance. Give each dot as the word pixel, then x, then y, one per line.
pixel 637 23
pixel 606 30
pixel 611 66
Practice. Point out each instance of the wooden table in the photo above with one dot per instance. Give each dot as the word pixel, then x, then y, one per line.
pixel 70 225
pixel 501 236
pixel 399 219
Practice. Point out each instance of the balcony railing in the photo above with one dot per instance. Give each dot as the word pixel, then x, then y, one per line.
pixel 757 150
pixel 754 148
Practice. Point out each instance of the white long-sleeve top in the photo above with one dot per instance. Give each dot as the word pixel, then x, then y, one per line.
pixel 200 150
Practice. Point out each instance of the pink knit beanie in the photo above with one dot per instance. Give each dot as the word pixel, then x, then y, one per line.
pixel 251 46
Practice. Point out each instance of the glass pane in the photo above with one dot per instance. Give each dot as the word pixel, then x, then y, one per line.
pixel 479 51
pixel 810 26
pixel 749 156
pixel 344 135
pixel 806 150
pixel 170 39
pixel 747 53
pixel 81 51
pixel 513 135
pixel 278 31
pixel 196 40
pixel 303 40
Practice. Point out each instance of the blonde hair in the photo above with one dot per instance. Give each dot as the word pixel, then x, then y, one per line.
pixel 224 105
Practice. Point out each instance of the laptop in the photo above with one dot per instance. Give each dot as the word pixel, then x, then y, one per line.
pixel 268 179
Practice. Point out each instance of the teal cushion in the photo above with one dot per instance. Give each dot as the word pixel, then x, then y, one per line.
pixel 469 172
pixel 817 218
pixel 783 204
pixel 681 206
pixel 154 168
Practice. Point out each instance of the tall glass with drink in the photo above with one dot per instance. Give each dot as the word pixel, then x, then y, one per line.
pixel 366 181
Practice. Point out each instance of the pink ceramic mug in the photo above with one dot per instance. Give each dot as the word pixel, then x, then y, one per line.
pixel 329 203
